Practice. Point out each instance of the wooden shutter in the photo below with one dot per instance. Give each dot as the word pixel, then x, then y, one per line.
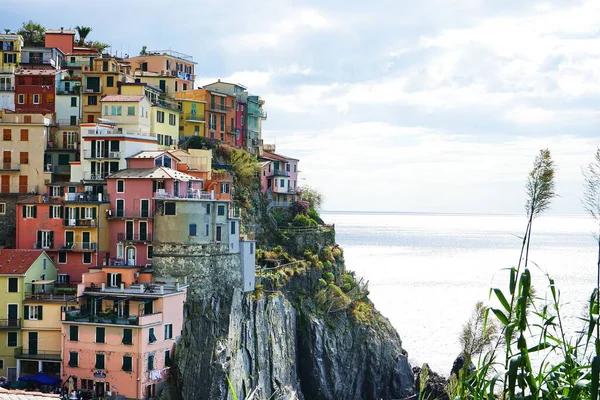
pixel 24 135
pixel 34 211
pixel 39 312
pixel 119 279
pixel 25 312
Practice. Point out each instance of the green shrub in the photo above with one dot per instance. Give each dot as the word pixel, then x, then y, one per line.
pixel 301 220
pixel 329 277
pixel 326 254
pixel 346 287
pixel 322 283
pixel 327 264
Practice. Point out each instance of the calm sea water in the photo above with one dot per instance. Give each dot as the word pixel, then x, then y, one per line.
pixel 426 271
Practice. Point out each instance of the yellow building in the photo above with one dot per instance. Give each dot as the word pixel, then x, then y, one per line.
pixel 24 140
pixel 99 80
pixel 10 57
pixel 193 106
pixel 22 273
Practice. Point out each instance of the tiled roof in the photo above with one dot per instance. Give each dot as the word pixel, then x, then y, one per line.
pixel 276 157
pixel 17 261
pixel 36 72
pixel 153 173
pixel 120 97
pixel 152 154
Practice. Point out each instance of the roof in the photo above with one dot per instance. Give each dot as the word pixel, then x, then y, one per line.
pixel 11 36
pixel 152 154
pixel 120 97
pixel 276 157
pixel 226 83
pixel 65 31
pixel 41 72
pixel 152 173
pixel 17 261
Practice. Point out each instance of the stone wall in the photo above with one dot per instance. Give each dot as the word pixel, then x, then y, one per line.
pixel 8 220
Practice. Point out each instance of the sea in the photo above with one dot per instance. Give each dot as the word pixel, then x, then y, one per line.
pixel 427 271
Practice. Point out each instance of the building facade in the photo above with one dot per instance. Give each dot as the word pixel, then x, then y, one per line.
pixel 10 58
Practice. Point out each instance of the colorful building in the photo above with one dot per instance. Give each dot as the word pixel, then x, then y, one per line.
pixel 99 80
pixel 22 273
pixel 70 225
pixel 41 58
pixel 62 39
pixel 279 178
pixel 35 90
pixel 10 57
pixel 122 337
pixel 192 121
pixel 168 70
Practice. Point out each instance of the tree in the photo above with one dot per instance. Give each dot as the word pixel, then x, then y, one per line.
pixel 313 196
pixel 33 34
pixel 7 31
pixel 98 45
pixel 83 32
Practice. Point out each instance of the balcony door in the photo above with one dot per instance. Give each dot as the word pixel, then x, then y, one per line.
pixel 128 230
pixel 120 208
pixel 32 342
pixel 131 256
pixel 69 239
pixel 145 208
pixel 13 314
pixel 143 230
pixel 86 245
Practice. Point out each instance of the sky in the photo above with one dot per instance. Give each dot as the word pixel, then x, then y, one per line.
pixel 390 105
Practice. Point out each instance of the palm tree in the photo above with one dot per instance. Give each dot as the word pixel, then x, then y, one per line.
pixel 83 31
pixel 7 31
pixel 33 33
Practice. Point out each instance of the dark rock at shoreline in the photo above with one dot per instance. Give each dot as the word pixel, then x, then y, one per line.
pixel 435 387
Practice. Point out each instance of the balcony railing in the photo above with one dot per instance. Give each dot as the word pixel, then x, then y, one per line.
pixel 80 222
pixel 79 246
pixel 219 108
pixel 194 195
pixel 50 297
pixel 8 69
pixel 86 197
pixel 96 176
pixel 114 213
pixel 43 245
pixel 258 113
pixel 7 88
pixel 279 172
pixel 134 237
pixel 71 90
pixel 111 318
pixel 57 169
pixel 10 166
pixel 67 63
pixel 10 323
pixel 92 154
pixel 68 122
pixel 37 354
pixel 19 189
pixel 194 117
pixel 88 89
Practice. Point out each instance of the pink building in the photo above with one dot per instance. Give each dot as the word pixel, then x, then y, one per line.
pixel 122 337
pixel 150 174
pixel 279 178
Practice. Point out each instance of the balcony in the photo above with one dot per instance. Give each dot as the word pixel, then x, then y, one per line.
pixel 8 69
pixel 47 245
pixel 7 88
pixel 95 176
pixel 130 214
pixel 19 189
pixel 84 223
pixel 92 89
pixel 86 198
pixel 194 117
pixel 81 316
pixel 75 64
pixel 10 166
pixel 69 122
pixel 220 108
pixel 99 155
pixel 75 90
pixel 34 354
pixel 193 195
pixel 258 113
pixel 12 323
pixel 57 169
pixel 131 237
pixel 51 297
pixel 57 146
pixel 278 172
pixel 79 246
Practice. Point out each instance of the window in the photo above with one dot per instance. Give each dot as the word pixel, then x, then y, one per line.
pixel 74 333
pixel 233 227
pixel 13 285
pixel 87 258
pixel 170 208
pixel 151 337
pixel 168 331
pixel 224 187
pixel 171 119
pixel 110 81
pixel 167 358
pixel 1 364
pixel 120 186
pixel 193 230
pixel 287 167
pixel 21 99
pixel 222 122
pixel 32 313
pixel 114 280
pixel 62 257
pixel 29 211
pixel 127 363
pixel 73 359
pixel 12 339
pixel 220 209
pixel 149 251
pixel 24 157
pixel 36 99
pixel 160 116
pixel 2 208
pixel 73 101
pixel 100 335
pixel 24 135
pixel 206 230
pixel 208 209
pixel 92 100
pixel 116 110
pixel 131 110
pixel 150 362
pixel 49 98
pixel 99 361
pixel 127 336
pixel 63 279
pixel 55 212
